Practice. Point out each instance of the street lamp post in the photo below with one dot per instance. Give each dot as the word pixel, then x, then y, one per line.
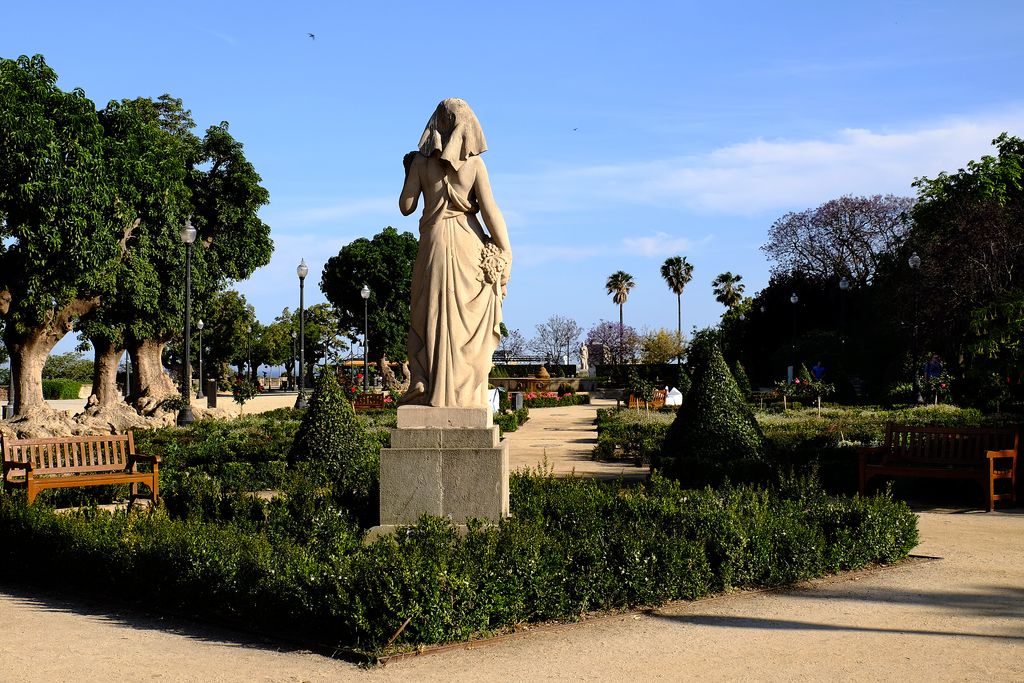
pixel 302 271
pixel 248 354
pixel 199 326
pixel 915 265
pixel 294 375
pixel 844 286
pixel 185 418
pixel 793 299
pixel 365 293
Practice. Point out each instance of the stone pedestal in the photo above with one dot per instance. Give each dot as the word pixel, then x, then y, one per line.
pixel 448 462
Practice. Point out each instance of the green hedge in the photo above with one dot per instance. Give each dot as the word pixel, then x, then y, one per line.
pixel 555 401
pixel 796 441
pixel 571 546
pixel 61 389
pixel 633 435
pixel 510 421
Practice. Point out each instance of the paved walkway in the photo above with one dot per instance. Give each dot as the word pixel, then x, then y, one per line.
pixel 958 617
pixel 563 439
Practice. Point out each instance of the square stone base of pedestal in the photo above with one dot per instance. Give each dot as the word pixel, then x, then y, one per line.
pixel 454 473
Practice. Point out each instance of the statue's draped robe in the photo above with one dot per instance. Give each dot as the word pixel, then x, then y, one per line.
pixel 456 315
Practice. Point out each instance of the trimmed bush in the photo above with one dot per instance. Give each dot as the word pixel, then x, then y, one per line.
pixel 571 546
pixel 335 451
pixel 714 425
pixel 631 435
pixel 61 389
pixel 509 420
pixel 551 399
pixel 739 373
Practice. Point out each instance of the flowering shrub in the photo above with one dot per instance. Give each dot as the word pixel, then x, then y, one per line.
pixel 243 390
pixel 936 388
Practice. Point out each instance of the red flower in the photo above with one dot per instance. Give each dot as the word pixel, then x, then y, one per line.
pixel 352 389
pixel 943 386
pixel 359 376
pixel 796 381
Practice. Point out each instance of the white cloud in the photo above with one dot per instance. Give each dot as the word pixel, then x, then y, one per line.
pixel 327 213
pixel 529 255
pixel 659 244
pixel 760 175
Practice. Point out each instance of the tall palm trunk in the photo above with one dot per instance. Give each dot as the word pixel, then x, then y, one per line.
pixel 679 327
pixel 620 335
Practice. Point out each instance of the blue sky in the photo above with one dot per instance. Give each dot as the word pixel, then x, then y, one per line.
pixel 619 133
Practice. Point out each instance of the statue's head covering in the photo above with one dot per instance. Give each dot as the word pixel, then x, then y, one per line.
pixel 454 131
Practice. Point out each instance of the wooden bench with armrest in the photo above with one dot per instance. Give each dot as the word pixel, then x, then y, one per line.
pixel 986 455
pixel 72 461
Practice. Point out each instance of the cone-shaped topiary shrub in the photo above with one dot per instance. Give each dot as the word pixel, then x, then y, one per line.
pixel 333 450
pixel 682 380
pixel 714 435
pixel 739 373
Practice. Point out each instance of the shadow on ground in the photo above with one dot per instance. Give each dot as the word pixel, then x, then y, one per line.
pixel 136 616
pixel 986 602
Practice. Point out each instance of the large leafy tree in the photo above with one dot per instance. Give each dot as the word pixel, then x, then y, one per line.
pixel 619 285
pixel 147 148
pixel 969 236
pixel 848 236
pixel 728 290
pixel 677 273
pixel 58 244
pixel 384 264
pixel 219 191
pixel 660 346
pixel 227 317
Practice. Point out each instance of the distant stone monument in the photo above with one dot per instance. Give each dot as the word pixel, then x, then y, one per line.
pixel 446 457
pixel 584 358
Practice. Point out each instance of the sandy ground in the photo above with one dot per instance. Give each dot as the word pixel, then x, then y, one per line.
pixel 956 618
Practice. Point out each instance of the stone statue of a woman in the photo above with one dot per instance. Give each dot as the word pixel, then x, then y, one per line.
pixel 459 278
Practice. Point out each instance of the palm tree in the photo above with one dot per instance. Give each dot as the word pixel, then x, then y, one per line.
pixel 728 290
pixel 618 285
pixel 677 274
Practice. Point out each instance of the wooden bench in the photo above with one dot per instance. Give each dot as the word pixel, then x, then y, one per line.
pixel 71 461
pixel 368 401
pixel 985 455
pixel 657 400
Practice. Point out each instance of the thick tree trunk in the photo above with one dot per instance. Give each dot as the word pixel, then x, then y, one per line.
pixel 151 383
pixel 28 356
pixel 30 349
pixel 104 373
